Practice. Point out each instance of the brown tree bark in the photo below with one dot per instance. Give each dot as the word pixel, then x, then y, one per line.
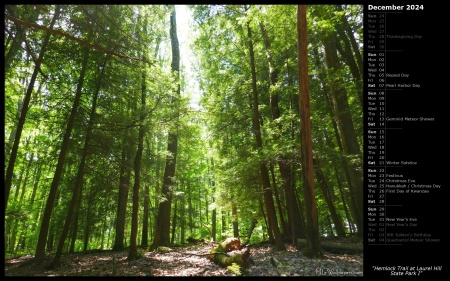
pixel 268 199
pixel 214 211
pixel 312 248
pixel 124 183
pixel 78 188
pixel 350 53
pixel 326 191
pixel 174 221
pixel 133 254
pixel 284 227
pixel 23 115
pixel 344 164
pixel 234 214
pixel 339 183
pixel 162 230
pixel 40 248
pixel 346 129
pixel 144 239
pixel 294 224
pixel 355 46
pixel 87 225
pixel 183 215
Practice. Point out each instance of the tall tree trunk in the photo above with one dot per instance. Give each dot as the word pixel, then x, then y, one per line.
pixel 190 209
pixel 144 239
pixel 25 180
pixel 214 211
pixel 40 249
pixel 162 230
pixel 346 130
pixel 133 254
pixel 349 54
pixel 214 224
pixel 224 225
pixel 268 199
pixel 340 231
pixel 294 222
pixel 312 248
pixel 351 35
pixel 235 219
pixel 182 215
pixel 19 37
pixel 339 183
pixel 277 200
pixel 87 225
pixel 124 184
pixel 78 188
pixel 12 135
pixel 174 221
pixel 345 165
pixel 51 235
pixel 23 114
pixel 269 229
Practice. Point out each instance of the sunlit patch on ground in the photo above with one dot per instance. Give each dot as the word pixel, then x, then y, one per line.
pixel 189 261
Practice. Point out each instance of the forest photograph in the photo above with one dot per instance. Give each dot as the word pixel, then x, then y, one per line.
pixel 183 140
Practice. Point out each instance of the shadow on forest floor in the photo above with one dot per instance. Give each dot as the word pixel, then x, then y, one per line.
pixel 188 260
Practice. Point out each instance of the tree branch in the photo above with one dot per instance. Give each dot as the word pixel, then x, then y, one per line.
pixel 93 46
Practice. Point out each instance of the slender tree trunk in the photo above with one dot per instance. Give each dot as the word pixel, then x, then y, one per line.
pixel 25 180
pixel 12 135
pixel 224 225
pixel 294 222
pixel 345 166
pixel 312 248
pixel 40 249
pixel 19 37
pixel 339 183
pixel 235 219
pixel 268 199
pixel 190 209
pixel 174 221
pixel 346 130
pixel 78 188
pixel 144 241
pixel 278 201
pixel 87 226
pixel 51 235
pixel 340 231
pixel 133 254
pixel 35 215
pixel 162 230
pixel 214 211
pixel 269 229
pixel 23 114
pixel 182 216
pixel 351 36
pixel 125 174
pixel 349 53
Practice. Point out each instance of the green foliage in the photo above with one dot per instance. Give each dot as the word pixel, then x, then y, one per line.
pixel 235 268
pixel 217 162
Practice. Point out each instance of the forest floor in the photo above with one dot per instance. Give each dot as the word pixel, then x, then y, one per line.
pixel 189 260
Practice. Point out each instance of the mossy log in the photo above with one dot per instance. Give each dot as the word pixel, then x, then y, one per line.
pixel 225 260
pixel 220 257
pixel 279 266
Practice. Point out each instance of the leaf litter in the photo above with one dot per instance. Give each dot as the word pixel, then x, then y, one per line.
pixel 188 260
